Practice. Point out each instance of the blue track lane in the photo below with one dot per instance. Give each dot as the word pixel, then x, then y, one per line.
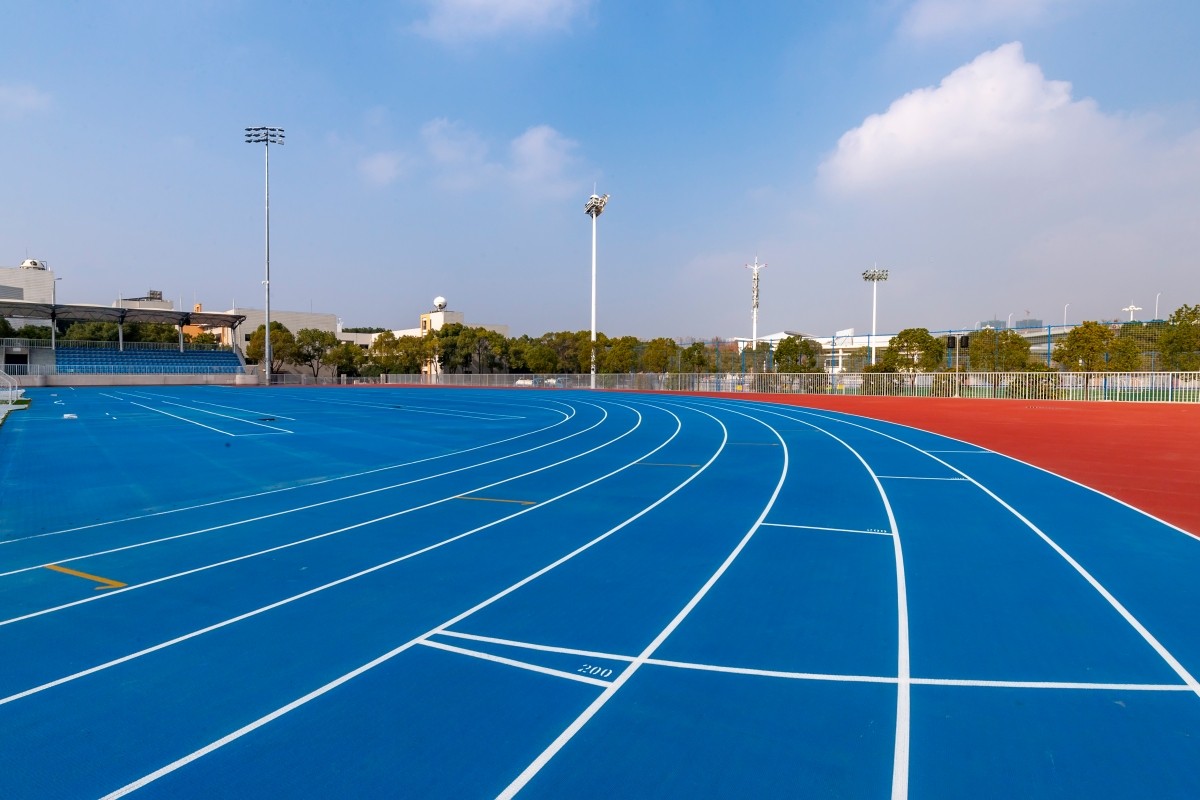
pixel 381 593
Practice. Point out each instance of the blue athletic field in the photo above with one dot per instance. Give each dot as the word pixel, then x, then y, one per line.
pixel 365 592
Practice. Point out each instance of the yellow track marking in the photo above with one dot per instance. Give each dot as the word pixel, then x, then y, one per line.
pixel 108 584
pixel 497 500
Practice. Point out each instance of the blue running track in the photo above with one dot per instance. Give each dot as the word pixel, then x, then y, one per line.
pixel 216 592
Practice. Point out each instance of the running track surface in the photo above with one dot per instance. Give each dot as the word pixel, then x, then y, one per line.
pixel 207 592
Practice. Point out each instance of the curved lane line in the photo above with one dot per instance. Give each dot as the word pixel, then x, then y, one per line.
pixel 300 701
pixel 310 506
pixel 565 419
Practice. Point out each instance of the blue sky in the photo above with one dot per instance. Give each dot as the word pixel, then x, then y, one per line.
pixel 997 156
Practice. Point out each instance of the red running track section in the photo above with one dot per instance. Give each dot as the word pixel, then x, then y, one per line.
pixel 1147 454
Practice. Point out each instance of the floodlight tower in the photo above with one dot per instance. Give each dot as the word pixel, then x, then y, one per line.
pixel 266 137
pixel 754 268
pixel 874 276
pixel 594 208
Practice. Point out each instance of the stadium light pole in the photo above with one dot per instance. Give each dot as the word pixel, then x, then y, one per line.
pixel 755 268
pixel 874 276
pixel 1131 308
pixel 1156 304
pixel 266 137
pixel 1068 305
pixel 594 208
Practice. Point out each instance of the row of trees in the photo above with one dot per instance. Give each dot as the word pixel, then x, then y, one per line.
pixel 1091 347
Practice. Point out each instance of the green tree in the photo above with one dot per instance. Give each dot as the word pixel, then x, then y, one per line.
pixel 346 358
pixel 621 355
pixel 695 358
pixel 1180 339
pixel 32 331
pixel 397 355
pixel 92 332
pixel 205 338
pixel 1125 355
pixel 659 355
pixel 990 350
pixel 312 347
pixel 283 345
pixel 799 354
pixel 7 331
pixel 541 358
pixel 1085 348
pixel 914 350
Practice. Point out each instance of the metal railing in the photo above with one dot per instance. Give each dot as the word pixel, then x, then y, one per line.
pixel 1162 387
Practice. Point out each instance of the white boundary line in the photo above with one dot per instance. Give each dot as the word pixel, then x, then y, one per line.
pixel 557 673
pixel 819 528
pixel 225 562
pixel 566 418
pixel 279 712
pixel 1133 622
pixel 571 730
pixel 226 416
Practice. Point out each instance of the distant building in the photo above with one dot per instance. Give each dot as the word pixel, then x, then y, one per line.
pixel 294 321
pixel 33 282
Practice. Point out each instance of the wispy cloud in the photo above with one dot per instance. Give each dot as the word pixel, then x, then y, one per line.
pixel 936 19
pixel 383 169
pixel 17 101
pixel 539 161
pixel 453 21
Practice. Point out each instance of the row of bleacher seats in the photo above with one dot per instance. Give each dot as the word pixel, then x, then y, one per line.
pixel 99 360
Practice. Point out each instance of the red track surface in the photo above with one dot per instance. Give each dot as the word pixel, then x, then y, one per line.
pixel 1147 454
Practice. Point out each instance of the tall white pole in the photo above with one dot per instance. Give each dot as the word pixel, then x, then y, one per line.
pixel 267 276
pixel 874 306
pixel 594 208
pixel 755 268
pixel 1068 305
pixel 593 382
pixel 266 136
pixel 1156 304
pixel 874 275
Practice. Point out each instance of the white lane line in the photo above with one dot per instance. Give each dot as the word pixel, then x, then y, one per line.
pixel 558 673
pixel 350 476
pixel 916 478
pixel 901 751
pixel 182 419
pixel 975 452
pixel 306 540
pixel 343 498
pixel 819 528
pixel 279 712
pixel 347 579
pixel 1133 622
pixel 829 677
pixel 570 651
pixel 226 416
pixel 571 730
pixel 220 405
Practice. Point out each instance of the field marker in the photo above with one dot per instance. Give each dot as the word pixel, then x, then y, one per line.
pixel 108 584
pixel 819 528
pixel 497 500
pixel 558 673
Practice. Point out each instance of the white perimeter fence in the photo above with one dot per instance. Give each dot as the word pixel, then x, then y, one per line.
pixel 1162 387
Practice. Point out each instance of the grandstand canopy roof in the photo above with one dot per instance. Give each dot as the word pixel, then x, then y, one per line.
pixel 87 313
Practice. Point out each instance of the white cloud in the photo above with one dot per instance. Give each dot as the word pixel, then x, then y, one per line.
pixel 935 19
pixel 17 101
pixel 454 21
pixel 998 190
pixel 997 110
pixel 383 169
pixel 539 160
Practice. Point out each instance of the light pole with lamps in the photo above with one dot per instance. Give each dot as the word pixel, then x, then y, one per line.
pixel 1131 308
pixel 266 137
pixel 594 208
pixel 1068 305
pixel 874 276
pixel 1156 304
